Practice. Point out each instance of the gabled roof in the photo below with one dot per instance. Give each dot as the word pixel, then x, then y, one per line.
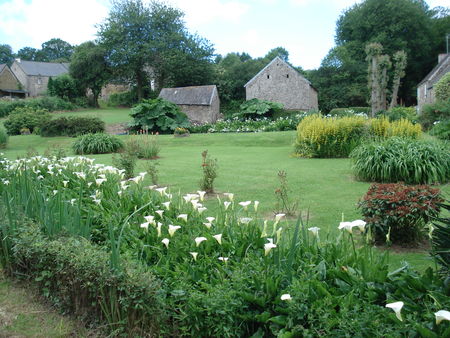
pixel 431 76
pixel 43 68
pixel 194 95
pixel 276 59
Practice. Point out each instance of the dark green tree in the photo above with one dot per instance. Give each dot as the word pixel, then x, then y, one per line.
pixel 28 53
pixel 89 67
pixel 65 87
pixel 55 50
pixel 6 54
pixel 279 51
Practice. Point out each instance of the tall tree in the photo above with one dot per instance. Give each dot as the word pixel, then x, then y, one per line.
pixel 55 50
pixel 89 67
pixel 6 54
pixel 278 51
pixel 28 53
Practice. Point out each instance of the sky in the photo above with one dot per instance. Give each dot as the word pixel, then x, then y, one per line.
pixel 305 28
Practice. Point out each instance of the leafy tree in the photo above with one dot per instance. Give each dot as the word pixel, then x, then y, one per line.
pixel 65 87
pixel 442 88
pixel 279 51
pixel 55 50
pixel 89 67
pixel 28 53
pixel 6 54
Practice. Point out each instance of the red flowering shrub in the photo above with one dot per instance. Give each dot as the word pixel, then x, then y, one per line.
pixel 397 212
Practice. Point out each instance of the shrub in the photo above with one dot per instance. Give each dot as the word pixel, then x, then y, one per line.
pixel 399 112
pixel 45 102
pixel 209 168
pixel 441 130
pixel 431 113
pixel 3 137
pixel 442 88
pixel 256 108
pixel 397 213
pixel 144 145
pixel 124 99
pixel 319 136
pixel 402 160
pixel 26 117
pixel 99 143
pixel 158 115
pixel 65 87
pixel 72 126
pixel 382 128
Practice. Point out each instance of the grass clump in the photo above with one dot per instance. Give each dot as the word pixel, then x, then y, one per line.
pixel 99 143
pixel 3 137
pixel 402 160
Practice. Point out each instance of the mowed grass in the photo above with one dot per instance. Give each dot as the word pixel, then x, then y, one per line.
pixel 248 166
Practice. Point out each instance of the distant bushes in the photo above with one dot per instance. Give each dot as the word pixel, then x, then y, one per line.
pixel 26 119
pixel 124 99
pixel 99 143
pixel 402 160
pixel 399 112
pixel 45 102
pixel 3 137
pixel 72 126
pixel 432 113
pixel 441 129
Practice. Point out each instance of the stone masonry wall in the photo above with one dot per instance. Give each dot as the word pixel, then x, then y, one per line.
pixel 8 80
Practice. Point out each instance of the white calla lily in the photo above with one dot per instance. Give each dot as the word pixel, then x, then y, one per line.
pixel 198 240
pixel 210 219
pixel 172 229
pixel 442 315
pixel 223 259
pixel 194 255
pixel 160 212
pixel 229 195
pixel 245 204
pixel 207 224
pixel 397 307
pixel 218 238
pixel 255 205
pixel 315 231
pixel 202 195
pixel 166 205
pixel 286 296
pixel 145 225
pixel 360 224
pixel 348 226
pixel 226 204
pixel 278 217
pixel 158 229
pixel 166 241
pixel 183 217
pixel 269 246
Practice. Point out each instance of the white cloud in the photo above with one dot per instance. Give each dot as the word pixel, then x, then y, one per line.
pixel 26 23
pixel 436 3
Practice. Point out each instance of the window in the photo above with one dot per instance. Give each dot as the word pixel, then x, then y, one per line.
pixel 268 76
pixel 287 76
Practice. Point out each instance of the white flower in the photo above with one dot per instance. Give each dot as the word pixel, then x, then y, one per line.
pixel 99 181
pixel 201 210
pixel 346 226
pixel 286 296
pixel 245 204
pixel 150 219
pixel 226 204
pixel 55 192
pixel 183 217
pixel 218 238
pixel 198 240
pixel 264 232
pixel 97 200
pixel 159 212
pixel 166 205
pixel 165 241
pixel 397 307
pixel 194 254
pixel 72 201
pixel 442 315
pixel 256 203
pixel 245 220
pixel 172 229
pixel 161 190
pixel 210 219
pixel 278 217
pixel 158 229
pixel 360 224
pixel 207 224
pixel 65 183
pixel 202 195
pixel 229 195
pixel 152 187
pixel 315 231
pixel 137 179
pixel 269 246
pixel 223 259
pixel 145 225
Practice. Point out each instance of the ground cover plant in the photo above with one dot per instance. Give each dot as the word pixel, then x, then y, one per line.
pixel 402 160
pixel 268 278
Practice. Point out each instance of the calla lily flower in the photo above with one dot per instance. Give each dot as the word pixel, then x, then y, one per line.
pixel 278 217
pixel 172 229
pixel 218 238
pixel 245 204
pixel 269 246
pixel 65 183
pixel 442 315
pixel 196 204
pixel 198 240
pixel 183 217
pixel 255 205
pixel 159 212
pixel 165 241
pixel 223 259
pixel 360 224
pixel 201 210
pixel 346 226
pixel 226 204
pixel 152 187
pixel 229 195
pixel 245 220
pixel 397 307
pixel 160 190
pixel 145 225
pixel 99 181
pixel 166 205
pixel 315 231
pixel 207 224
pixel 286 296
pixel 72 201
pixel 150 219
pixel 279 234
pixel 210 219
pixel 158 229
pixel 264 232
pixel 202 195
pixel 194 255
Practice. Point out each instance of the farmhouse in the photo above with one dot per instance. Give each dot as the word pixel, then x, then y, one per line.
pixel 34 76
pixel 279 82
pixel 425 91
pixel 200 103
pixel 9 84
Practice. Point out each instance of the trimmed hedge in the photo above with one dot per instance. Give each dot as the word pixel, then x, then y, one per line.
pixel 72 126
pixel 76 276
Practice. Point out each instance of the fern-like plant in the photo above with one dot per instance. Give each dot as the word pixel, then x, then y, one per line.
pixel 441 241
pixel 99 143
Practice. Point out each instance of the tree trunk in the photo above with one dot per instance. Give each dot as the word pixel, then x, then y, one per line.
pixel 96 94
pixel 374 85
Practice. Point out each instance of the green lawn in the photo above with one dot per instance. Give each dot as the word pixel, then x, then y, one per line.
pixel 248 166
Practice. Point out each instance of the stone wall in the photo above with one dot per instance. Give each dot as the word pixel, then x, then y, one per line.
pixel 281 83
pixel 8 80
pixel 197 113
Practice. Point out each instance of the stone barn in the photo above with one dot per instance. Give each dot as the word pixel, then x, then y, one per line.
pixel 200 103
pixel 9 84
pixel 34 75
pixel 279 82
pixel 425 91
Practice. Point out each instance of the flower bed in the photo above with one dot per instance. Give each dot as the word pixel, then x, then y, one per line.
pixel 219 269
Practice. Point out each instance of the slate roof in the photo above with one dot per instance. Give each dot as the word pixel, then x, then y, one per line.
pixel 277 59
pixel 194 95
pixel 43 68
pixel 437 72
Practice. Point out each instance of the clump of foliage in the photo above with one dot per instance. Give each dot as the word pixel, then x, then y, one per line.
pixel 123 99
pixel 432 113
pixel 441 129
pixel 318 136
pixel 399 112
pixel 26 118
pixel 209 169
pixel 441 241
pixel 398 213
pixel 35 104
pixel 158 115
pixel 152 170
pixel 144 145
pixel 72 126
pixel 3 137
pixel 127 158
pixel 442 88
pixel 98 143
pixel 181 132
pixel 65 87
pixel 284 203
pixel 256 108
pixel 383 128
pixel 402 160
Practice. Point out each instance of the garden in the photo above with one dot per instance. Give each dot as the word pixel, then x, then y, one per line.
pixel 336 226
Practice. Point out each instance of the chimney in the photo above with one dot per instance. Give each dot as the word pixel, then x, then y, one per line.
pixel 441 57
